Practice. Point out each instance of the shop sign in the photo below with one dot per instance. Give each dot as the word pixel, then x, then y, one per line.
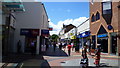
pixel 71 34
pixel 29 32
pixel 50 28
pixel 73 37
pixel 102 35
pixel 84 34
pixel 45 32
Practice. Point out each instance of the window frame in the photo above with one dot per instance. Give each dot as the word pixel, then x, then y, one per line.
pixel 97 16
pixel 107 11
pixel 93 18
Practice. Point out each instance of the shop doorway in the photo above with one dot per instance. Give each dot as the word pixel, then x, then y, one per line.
pixel 28 41
pixel 104 44
pixel 114 44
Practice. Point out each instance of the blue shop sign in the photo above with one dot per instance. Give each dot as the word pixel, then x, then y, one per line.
pixel 24 31
pixel 84 34
pixel 44 32
pixel 29 32
pixel 102 35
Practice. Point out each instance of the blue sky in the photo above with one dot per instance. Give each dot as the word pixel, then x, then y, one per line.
pixel 66 12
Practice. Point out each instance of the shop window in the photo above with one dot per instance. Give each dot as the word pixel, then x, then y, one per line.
pixel 106 7
pixel 93 18
pixel 97 16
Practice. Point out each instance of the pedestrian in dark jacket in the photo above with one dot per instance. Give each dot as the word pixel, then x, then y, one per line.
pixel 19 47
pixel 97 55
pixel 84 51
pixel 60 46
pixel 54 46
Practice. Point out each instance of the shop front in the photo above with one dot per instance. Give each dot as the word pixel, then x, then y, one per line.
pixel 30 39
pixel 44 40
pixel 84 37
pixel 103 40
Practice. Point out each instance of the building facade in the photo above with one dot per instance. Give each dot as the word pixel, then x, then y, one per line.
pixel 64 31
pixel 32 26
pixel 9 10
pixel 104 26
pixel 82 34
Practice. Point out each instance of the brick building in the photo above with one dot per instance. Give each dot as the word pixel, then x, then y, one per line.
pixel 104 21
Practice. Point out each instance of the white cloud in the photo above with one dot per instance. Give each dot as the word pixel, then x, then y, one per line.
pixel 57 27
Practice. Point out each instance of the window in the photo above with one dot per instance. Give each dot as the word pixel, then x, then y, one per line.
pixel 93 18
pixel 97 16
pixel 106 8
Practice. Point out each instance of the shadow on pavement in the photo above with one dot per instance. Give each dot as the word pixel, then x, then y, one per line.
pixel 26 60
pixel 56 53
pixel 17 58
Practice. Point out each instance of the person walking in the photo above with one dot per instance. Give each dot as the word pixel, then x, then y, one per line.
pixel 69 49
pixel 97 55
pixel 32 45
pixel 72 46
pixel 19 46
pixel 60 46
pixel 84 51
pixel 64 46
pixel 84 60
pixel 54 46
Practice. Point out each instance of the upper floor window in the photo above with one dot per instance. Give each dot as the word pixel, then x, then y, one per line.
pixel 93 18
pixel 97 16
pixel 106 8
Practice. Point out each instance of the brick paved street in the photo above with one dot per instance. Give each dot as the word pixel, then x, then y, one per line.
pixel 63 61
pixel 60 59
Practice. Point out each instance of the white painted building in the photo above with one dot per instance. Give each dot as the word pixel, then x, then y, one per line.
pixel 85 26
pixel 29 25
pixel 83 32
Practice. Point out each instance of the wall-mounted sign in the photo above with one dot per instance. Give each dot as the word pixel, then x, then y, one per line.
pixel 84 34
pixel 29 32
pixel 50 28
pixel 102 35
pixel 73 37
pixel 110 27
pixel 45 32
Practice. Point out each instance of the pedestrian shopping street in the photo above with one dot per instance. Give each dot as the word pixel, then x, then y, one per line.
pixel 60 34
pixel 57 59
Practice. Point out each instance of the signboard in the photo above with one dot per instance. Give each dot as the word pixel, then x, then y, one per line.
pixel 29 32
pixel 102 35
pixel 50 28
pixel 73 37
pixel 44 32
pixel 84 34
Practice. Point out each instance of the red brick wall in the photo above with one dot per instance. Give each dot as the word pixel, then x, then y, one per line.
pixel 94 26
